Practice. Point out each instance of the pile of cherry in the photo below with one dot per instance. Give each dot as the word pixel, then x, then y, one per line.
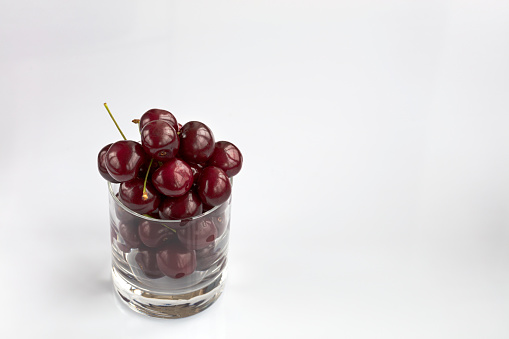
pixel 177 172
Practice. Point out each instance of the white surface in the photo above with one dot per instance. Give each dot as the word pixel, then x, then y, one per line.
pixel 373 202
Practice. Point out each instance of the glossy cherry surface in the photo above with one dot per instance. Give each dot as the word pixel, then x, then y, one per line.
pixel 124 159
pixel 196 142
pixel 146 260
pixel 158 114
pixel 214 186
pixel 176 261
pixel 131 195
pixel 160 140
pixel 174 178
pixel 198 234
pixel 102 165
pixel 154 234
pixel 182 207
pixel 227 157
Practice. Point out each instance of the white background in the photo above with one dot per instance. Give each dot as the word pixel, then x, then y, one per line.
pixel 374 198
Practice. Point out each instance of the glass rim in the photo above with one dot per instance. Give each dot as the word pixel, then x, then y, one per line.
pixel 176 221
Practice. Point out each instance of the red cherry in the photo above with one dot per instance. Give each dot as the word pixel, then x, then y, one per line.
pixel 131 195
pixel 214 186
pixel 183 207
pixel 174 178
pixel 124 159
pixel 227 157
pixel 146 260
pixel 199 234
pixel 196 142
pixel 176 261
pixel 153 234
pixel 160 140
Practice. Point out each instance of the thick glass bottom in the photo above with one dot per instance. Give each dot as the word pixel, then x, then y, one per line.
pixel 168 305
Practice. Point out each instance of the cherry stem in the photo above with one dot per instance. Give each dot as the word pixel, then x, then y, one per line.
pixel 145 195
pixel 112 118
pixel 136 121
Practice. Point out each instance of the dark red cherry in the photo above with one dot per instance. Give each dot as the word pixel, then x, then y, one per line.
pixel 174 178
pixel 214 186
pixel 131 195
pixel 102 165
pixel 146 260
pixel 129 233
pixel 196 142
pixel 182 207
pixel 153 234
pixel 176 261
pixel 158 114
pixel 124 159
pixel 227 157
pixel 198 234
pixel 160 140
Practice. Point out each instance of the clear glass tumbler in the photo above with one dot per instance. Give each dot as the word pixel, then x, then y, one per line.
pixel 168 268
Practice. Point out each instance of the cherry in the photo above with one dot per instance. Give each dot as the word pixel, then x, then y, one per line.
pixel 147 261
pixel 124 159
pixel 214 186
pixel 160 140
pixel 182 207
pixel 158 114
pixel 196 142
pixel 102 166
pixel 176 261
pixel 153 234
pixel 198 234
pixel 129 233
pixel 131 195
pixel 174 178
pixel 227 157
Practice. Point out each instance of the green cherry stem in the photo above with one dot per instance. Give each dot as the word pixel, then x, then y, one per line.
pixel 145 195
pixel 112 118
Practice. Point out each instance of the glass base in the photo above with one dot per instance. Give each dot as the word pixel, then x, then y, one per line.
pixel 166 305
